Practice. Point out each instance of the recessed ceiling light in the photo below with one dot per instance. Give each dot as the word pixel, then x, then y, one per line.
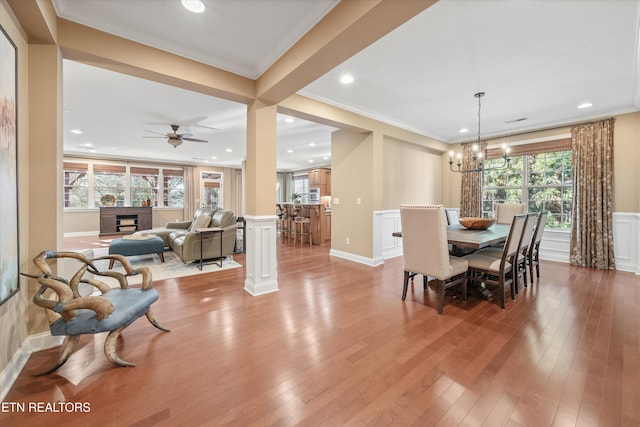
pixel 213 157
pixel 325 158
pixel 85 145
pixel 289 120
pixel 585 105
pixel 76 131
pixel 464 130
pixel 346 79
pixel 228 150
pixel 289 151
pixel 312 144
pixel 195 6
pixel 310 161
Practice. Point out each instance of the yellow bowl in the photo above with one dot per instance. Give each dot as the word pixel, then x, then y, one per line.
pixel 477 223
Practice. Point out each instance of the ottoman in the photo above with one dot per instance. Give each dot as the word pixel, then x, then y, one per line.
pixel 131 247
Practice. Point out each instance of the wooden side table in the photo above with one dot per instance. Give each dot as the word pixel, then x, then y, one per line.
pixel 204 231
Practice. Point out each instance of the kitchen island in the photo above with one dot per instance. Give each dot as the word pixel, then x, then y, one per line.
pixel 320 220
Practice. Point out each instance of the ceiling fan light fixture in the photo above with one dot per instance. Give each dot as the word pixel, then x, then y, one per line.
pixel 195 6
pixel 175 142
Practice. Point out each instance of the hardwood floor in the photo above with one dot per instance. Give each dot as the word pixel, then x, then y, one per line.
pixel 337 346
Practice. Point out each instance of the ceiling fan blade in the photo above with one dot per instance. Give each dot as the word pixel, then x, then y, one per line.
pixel 163 136
pixel 185 135
pixel 158 133
pixel 194 140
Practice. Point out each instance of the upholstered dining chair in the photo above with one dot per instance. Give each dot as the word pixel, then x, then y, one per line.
pixel 521 261
pixel 453 216
pixel 425 250
pixel 533 252
pixel 506 211
pixel 500 272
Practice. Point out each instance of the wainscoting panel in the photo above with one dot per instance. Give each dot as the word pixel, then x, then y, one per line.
pixel 384 244
pixel 626 242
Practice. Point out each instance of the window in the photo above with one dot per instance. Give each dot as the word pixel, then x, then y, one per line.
pixel 76 185
pixel 144 186
pixel 86 183
pixel 301 186
pixel 108 180
pixel 173 188
pixel 542 180
pixel 211 190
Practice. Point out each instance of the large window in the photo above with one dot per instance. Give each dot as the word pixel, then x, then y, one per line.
pixel 76 185
pixel 108 180
pixel 173 188
pixel 144 186
pixel 86 183
pixel 542 180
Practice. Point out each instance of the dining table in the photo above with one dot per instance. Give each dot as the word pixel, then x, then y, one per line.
pixel 464 241
pixel 461 237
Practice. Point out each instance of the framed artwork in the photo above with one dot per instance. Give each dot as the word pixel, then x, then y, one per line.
pixel 9 250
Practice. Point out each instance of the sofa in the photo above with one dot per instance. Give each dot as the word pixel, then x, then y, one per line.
pixel 182 238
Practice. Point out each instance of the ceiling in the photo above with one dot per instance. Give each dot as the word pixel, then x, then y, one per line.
pixel 536 61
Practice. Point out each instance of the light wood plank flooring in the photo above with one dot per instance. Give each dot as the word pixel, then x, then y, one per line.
pixel 336 346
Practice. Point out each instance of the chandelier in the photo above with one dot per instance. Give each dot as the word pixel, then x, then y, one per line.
pixel 477 162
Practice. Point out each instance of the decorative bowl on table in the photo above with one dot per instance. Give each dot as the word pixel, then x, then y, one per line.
pixel 473 223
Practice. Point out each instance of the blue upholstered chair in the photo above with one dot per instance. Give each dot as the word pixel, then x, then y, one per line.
pixel 72 313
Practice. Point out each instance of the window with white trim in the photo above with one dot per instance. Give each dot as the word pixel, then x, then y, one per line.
pixel 86 183
pixel 540 175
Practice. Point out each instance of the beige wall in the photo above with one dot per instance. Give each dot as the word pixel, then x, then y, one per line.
pixel 411 174
pixel 351 179
pixel 626 158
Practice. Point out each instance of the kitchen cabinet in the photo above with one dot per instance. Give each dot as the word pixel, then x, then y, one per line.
pixel 321 179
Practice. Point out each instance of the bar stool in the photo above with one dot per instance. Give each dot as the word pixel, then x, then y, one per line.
pixel 302 228
pixel 284 221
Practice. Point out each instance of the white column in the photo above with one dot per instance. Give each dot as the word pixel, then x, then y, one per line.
pixel 262 275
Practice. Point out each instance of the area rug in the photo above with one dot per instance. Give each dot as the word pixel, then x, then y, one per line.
pixel 171 268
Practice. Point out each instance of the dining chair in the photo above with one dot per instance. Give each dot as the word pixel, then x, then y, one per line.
pixel 505 211
pixel 500 272
pixel 425 250
pixel 521 261
pixel 533 252
pixel 453 216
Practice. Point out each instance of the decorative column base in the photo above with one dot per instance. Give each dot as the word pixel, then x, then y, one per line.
pixel 262 275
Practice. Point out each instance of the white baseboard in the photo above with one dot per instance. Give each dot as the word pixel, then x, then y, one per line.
pixel 32 344
pixel 82 234
pixel 356 258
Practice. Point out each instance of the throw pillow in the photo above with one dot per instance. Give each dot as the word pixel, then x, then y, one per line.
pixel 202 221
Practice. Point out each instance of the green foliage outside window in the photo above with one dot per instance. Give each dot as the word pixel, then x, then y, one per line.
pixel 542 181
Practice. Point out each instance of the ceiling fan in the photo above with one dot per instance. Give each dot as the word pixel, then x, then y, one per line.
pixel 174 138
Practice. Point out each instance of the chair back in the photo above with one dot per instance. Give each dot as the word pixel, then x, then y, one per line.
pixel 506 211
pixel 512 245
pixel 537 235
pixel 424 240
pixel 453 217
pixel 527 234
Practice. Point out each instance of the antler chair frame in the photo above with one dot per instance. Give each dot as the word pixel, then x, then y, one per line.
pixel 71 315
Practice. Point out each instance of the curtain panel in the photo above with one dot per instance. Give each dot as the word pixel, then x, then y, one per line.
pixel 592 223
pixel 190 192
pixel 471 188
